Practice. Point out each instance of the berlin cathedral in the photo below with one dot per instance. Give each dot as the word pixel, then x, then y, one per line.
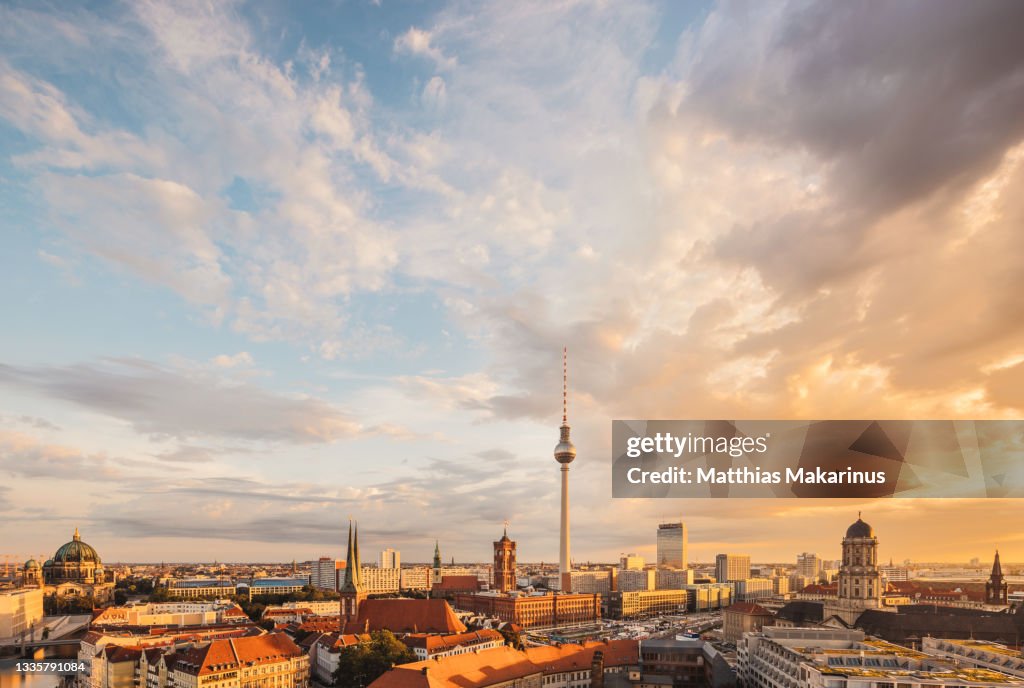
pixel 75 570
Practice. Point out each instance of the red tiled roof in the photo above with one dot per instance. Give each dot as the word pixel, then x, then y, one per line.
pixel 440 643
pixel 748 608
pixel 405 616
pixel 221 655
pixel 457 583
pixel 504 664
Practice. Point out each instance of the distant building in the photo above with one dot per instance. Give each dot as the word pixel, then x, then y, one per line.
pixel 324 573
pixel 180 613
pixel 860 583
pixel 631 562
pixel 377 581
pixel 673 579
pixel 744 617
pixel 415 578
pixel 389 559
pixel 808 565
pixel 602 582
pixel 534 611
pixel 201 588
pixel 672 545
pixel 977 653
pixel 638 604
pixel 632 580
pixel 754 589
pixel 709 596
pixel 732 567
pixel 996 588
pixel 428 646
pixel 351 588
pixel 504 564
pixel 75 570
pixel 262 587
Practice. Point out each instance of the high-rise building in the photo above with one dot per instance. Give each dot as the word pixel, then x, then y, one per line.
pixel 389 559
pixel 324 573
pixel 565 453
pixel 352 591
pixel 732 567
pixel 505 563
pixel 808 565
pixel 672 544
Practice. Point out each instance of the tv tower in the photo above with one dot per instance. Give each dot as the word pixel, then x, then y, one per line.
pixel 565 452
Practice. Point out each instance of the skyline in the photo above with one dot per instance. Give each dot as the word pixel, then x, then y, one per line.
pixel 268 265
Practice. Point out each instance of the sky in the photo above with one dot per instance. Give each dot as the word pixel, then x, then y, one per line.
pixel 269 266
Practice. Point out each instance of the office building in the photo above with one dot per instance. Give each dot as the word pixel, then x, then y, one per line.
pixel 672 544
pixel 732 567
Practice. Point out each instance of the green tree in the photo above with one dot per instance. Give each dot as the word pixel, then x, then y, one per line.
pixel 360 665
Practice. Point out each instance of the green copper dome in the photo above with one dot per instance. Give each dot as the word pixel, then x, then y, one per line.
pixel 76 552
pixel 31 564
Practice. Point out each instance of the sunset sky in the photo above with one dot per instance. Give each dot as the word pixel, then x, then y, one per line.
pixel 269 265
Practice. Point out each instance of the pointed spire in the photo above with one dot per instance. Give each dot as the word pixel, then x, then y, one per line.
pixel 997 568
pixel 76 537
pixel 353 575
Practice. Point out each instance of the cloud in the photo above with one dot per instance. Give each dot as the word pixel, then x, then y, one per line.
pixel 419 42
pixel 25 456
pixel 242 358
pixel 160 401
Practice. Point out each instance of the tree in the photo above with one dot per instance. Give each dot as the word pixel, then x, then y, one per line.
pixel 360 665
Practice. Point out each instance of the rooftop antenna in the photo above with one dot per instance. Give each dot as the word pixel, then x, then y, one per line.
pixel 565 384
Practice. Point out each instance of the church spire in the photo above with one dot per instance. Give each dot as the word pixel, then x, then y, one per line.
pixel 353 574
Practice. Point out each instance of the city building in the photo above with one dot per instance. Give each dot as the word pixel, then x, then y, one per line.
pixel 672 545
pixel 996 589
pixel 834 658
pixel 708 596
pixel 389 559
pixel 754 589
pixel 732 567
pixel 76 570
pixel 20 610
pixel 415 578
pixel 262 587
pixel 808 565
pixel 324 573
pixel 504 563
pixel 265 661
pixel 637 604
pixel 680 663
pixel 325 653
pixel 405 616
pixel 977 653
pixel 351 588
pixel 548 666
pixel 673 579
pixel 860 583
pixel 197 613
pixel 632 580
pixel 201 588
pixel 631 562
pixel 378 581
pixel 602 582
pixel 549 610
pixel 565 453
pixel 744 617
pixel 428 646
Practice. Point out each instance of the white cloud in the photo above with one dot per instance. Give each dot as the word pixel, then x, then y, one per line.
pixel 419 42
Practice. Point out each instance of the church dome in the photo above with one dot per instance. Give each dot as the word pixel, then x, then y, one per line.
pixel 859 529
pixel 31 564
pixel 76 552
